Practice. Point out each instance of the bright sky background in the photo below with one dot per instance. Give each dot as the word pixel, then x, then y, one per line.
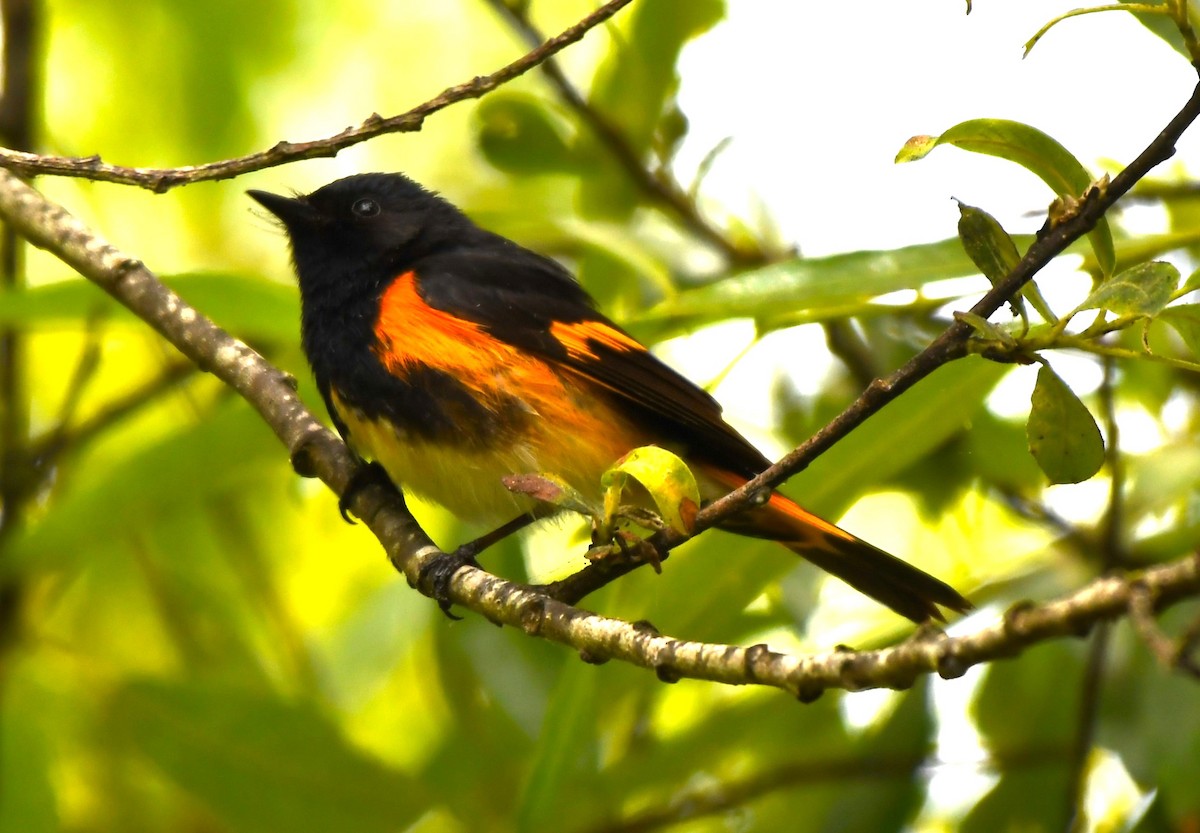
pixel 820 96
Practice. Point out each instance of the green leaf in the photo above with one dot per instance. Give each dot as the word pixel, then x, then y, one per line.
pixel 1134 250
pixel 811 289
pixel 1185 318
pixel 1164 27
pixel 566 752
pixel 28 804
pixel 638 78
pixel 1030 148
pixel 1144 289
pixel 666 477
pixel 493 686
pixel 633 88
pixel 1063 437
pixel 231 449
pixel 1168 733
pixel 890 804
pixel 992 249
pixel 917 147
pixel 519 134
pixel 985 329
pixel 1030 796
pixel 261 763
pixel 986 243
pixel 248 307
pixel 903 431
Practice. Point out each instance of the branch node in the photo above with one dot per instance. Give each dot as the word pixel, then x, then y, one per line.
pixel 592 658
pixel 663 667
pixel 755 654
pixel 667 674
pixel 125 266
pixel 533 614
pixel 928 632
pixel 809 691
pixel 1170 653
pixel 879 386
pixel 950 666
pixel 647 627
pixel 1013 624
pixel 854 673
pixel 302 460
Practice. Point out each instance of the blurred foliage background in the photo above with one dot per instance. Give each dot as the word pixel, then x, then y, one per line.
pixel 193 640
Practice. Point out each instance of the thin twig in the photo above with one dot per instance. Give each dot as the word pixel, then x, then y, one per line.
pixel 49 450
pixel 1051 241
pixel 659 186
pixel 22 84
pixel 729 794
pixel 1170 653
pixel 316 451
pixel 737 792
pixel 86 367
pixel 161 180
pixel 854 352
pixel 20 21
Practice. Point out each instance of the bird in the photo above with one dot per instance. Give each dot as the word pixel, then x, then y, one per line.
pixel 454 358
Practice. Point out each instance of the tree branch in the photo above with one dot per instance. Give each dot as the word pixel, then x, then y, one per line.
pixel 726 795
pixel 1175 654
pixel 1052 239
pixel 161 180
pixel 20 23
pixel 48 450
pixel 316 451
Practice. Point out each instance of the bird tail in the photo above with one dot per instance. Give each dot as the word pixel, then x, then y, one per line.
pixel 885 578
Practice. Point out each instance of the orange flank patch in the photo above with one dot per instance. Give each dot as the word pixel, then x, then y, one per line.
pixel 579 337
pixel 563 437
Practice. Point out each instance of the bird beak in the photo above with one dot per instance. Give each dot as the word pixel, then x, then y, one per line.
pixel 293 212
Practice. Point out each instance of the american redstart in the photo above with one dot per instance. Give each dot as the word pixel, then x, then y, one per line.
pixel 454 357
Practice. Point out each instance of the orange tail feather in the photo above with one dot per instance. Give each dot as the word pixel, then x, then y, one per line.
pixel 897 584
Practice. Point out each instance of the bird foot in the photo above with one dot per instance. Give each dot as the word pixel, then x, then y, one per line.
pixel 367 474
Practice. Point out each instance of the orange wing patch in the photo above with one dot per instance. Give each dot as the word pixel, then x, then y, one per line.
pixel 579 337
pixel 410 333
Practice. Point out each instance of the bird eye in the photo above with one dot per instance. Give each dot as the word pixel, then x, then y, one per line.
pixel 365 207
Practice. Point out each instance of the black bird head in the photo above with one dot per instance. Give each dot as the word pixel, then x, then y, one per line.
pixel 372 223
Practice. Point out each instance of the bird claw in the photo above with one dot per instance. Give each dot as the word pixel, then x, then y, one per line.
pixel 367 474
pixel 437 573
pixel 626 548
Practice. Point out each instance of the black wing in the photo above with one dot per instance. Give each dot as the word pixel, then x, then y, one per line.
pixel 532 302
